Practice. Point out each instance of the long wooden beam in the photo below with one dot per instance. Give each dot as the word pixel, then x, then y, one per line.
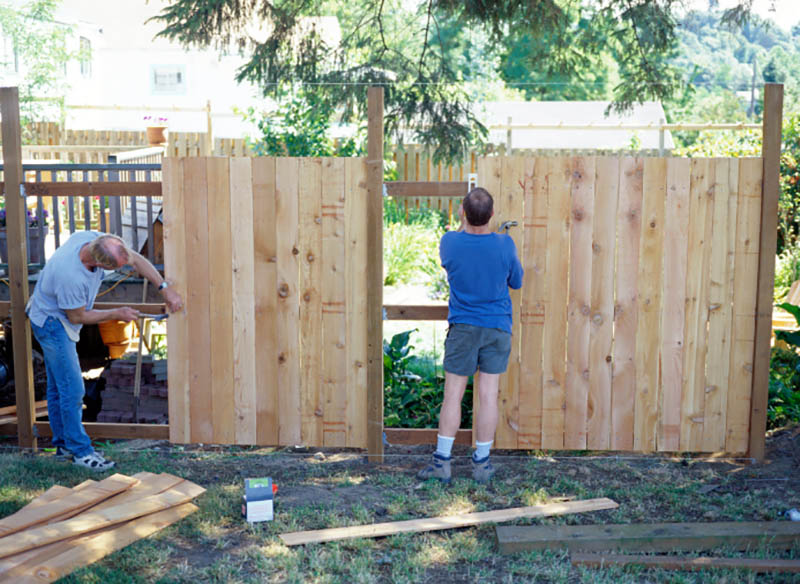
pixel 415 312
pixel 16 227
pixel 415 436
pixel 374 269
pixel 91 189
pixel 449 522
pixel 771 147
pixel 115 431
pixel 688 564
pixel 649 537
pixel 146 308
pixel 426 189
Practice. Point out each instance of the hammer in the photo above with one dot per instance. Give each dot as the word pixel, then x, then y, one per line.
pixel 506 225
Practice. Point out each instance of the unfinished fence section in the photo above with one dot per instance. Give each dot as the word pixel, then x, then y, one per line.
pixel 272 346
pixel 635 326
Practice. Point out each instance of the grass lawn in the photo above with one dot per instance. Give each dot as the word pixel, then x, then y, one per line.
pixel 330 488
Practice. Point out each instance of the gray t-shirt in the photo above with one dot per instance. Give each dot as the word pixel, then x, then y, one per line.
pixel 64 284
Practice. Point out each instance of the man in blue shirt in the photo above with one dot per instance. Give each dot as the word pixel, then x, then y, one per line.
pixel 481 266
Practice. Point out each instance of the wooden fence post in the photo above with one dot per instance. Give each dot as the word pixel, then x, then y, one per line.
pixel 771 153
pixel 16 224
pixel 375 274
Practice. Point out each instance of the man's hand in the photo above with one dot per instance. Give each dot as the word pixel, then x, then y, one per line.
pixel 172 299
pixel 127 313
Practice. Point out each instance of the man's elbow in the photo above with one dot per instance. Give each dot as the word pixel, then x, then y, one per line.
pixel 75 318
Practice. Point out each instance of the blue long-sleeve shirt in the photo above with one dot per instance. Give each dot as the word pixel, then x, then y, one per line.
pixel 480 270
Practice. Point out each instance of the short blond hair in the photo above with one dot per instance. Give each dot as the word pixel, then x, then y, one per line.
pixel 101 250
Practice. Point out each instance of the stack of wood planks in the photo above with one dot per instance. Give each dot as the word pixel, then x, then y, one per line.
pixel 64 529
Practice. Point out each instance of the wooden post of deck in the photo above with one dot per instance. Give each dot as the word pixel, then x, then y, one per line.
pixel 375 274
pixel 771 153
pixel 16 224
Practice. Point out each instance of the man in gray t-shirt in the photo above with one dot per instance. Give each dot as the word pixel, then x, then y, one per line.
pixel 61 304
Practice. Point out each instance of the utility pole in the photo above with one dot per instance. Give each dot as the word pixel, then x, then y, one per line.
pixel 751 112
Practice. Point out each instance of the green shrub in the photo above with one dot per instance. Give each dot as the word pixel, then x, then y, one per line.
pixel 410 250
pixel 787 271
pixel 413 388
pixel 784 376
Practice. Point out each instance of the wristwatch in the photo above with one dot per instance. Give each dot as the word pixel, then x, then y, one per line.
pixel 163 285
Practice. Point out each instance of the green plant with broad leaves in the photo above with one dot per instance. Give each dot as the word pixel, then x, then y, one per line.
pixel 413 392
pixel 784 375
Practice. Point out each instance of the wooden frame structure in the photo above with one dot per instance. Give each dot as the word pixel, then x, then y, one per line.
pixel 27 429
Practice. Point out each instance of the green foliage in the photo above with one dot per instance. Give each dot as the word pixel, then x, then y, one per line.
pixel 41 50
pixel 410 250
pixel 784 376
pixel 300 126
pixel 787 271
pixel 413 391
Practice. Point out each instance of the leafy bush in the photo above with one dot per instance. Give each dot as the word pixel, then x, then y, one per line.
pixel 787 271
pixel 784 376
pixel 410 250
pixel 413 391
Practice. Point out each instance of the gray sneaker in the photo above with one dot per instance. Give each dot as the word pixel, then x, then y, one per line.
pixel 482 470
pixel 438 469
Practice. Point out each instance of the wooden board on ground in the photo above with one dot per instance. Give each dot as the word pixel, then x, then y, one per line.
pixel 650 537
pixel 689 564
pixel 449 522
pixel 106 488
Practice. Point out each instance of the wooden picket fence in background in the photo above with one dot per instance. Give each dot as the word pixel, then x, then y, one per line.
pixel 272 345
pixel 635 326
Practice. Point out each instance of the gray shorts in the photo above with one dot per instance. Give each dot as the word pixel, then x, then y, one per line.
pixel 468 348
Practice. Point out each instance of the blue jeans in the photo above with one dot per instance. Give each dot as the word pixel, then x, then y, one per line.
pixel 65 387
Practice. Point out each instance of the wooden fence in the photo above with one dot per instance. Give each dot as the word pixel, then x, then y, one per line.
pixel 271 254
pixel 634 329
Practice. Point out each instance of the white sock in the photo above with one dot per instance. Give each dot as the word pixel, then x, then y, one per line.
pixel 482 450
pixel 444 445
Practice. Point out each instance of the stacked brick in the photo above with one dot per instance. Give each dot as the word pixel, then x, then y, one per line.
pixel 118 401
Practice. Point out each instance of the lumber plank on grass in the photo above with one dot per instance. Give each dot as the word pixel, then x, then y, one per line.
pixel 689 564
pixel 656 537
pixel 449 522
pixel 105 489
pixel 92 521
pixel 64 557
pixel 52 494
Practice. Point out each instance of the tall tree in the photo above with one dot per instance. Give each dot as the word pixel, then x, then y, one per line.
pixel 411 51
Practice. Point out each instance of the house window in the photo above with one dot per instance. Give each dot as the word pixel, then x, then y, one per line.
pixel 86 57
pixel 168 79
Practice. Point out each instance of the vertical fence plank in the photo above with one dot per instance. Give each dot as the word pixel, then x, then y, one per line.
pixel 598 423
pixel 676 224
pixel 511 195
pixel 555 316
pixel 310 260
pixel 532 305
pixel 175 269
pixel 286 215
pixel 719 303
pixel 629 226
pixel 580 291
pixel 333 296
pixel 220 284
pixel 265 251
pixel 699 257
pixel 490 174
pixel 198 311
pixel 648 333
pixel 357 284
pixel 745 279
pixel 244 322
